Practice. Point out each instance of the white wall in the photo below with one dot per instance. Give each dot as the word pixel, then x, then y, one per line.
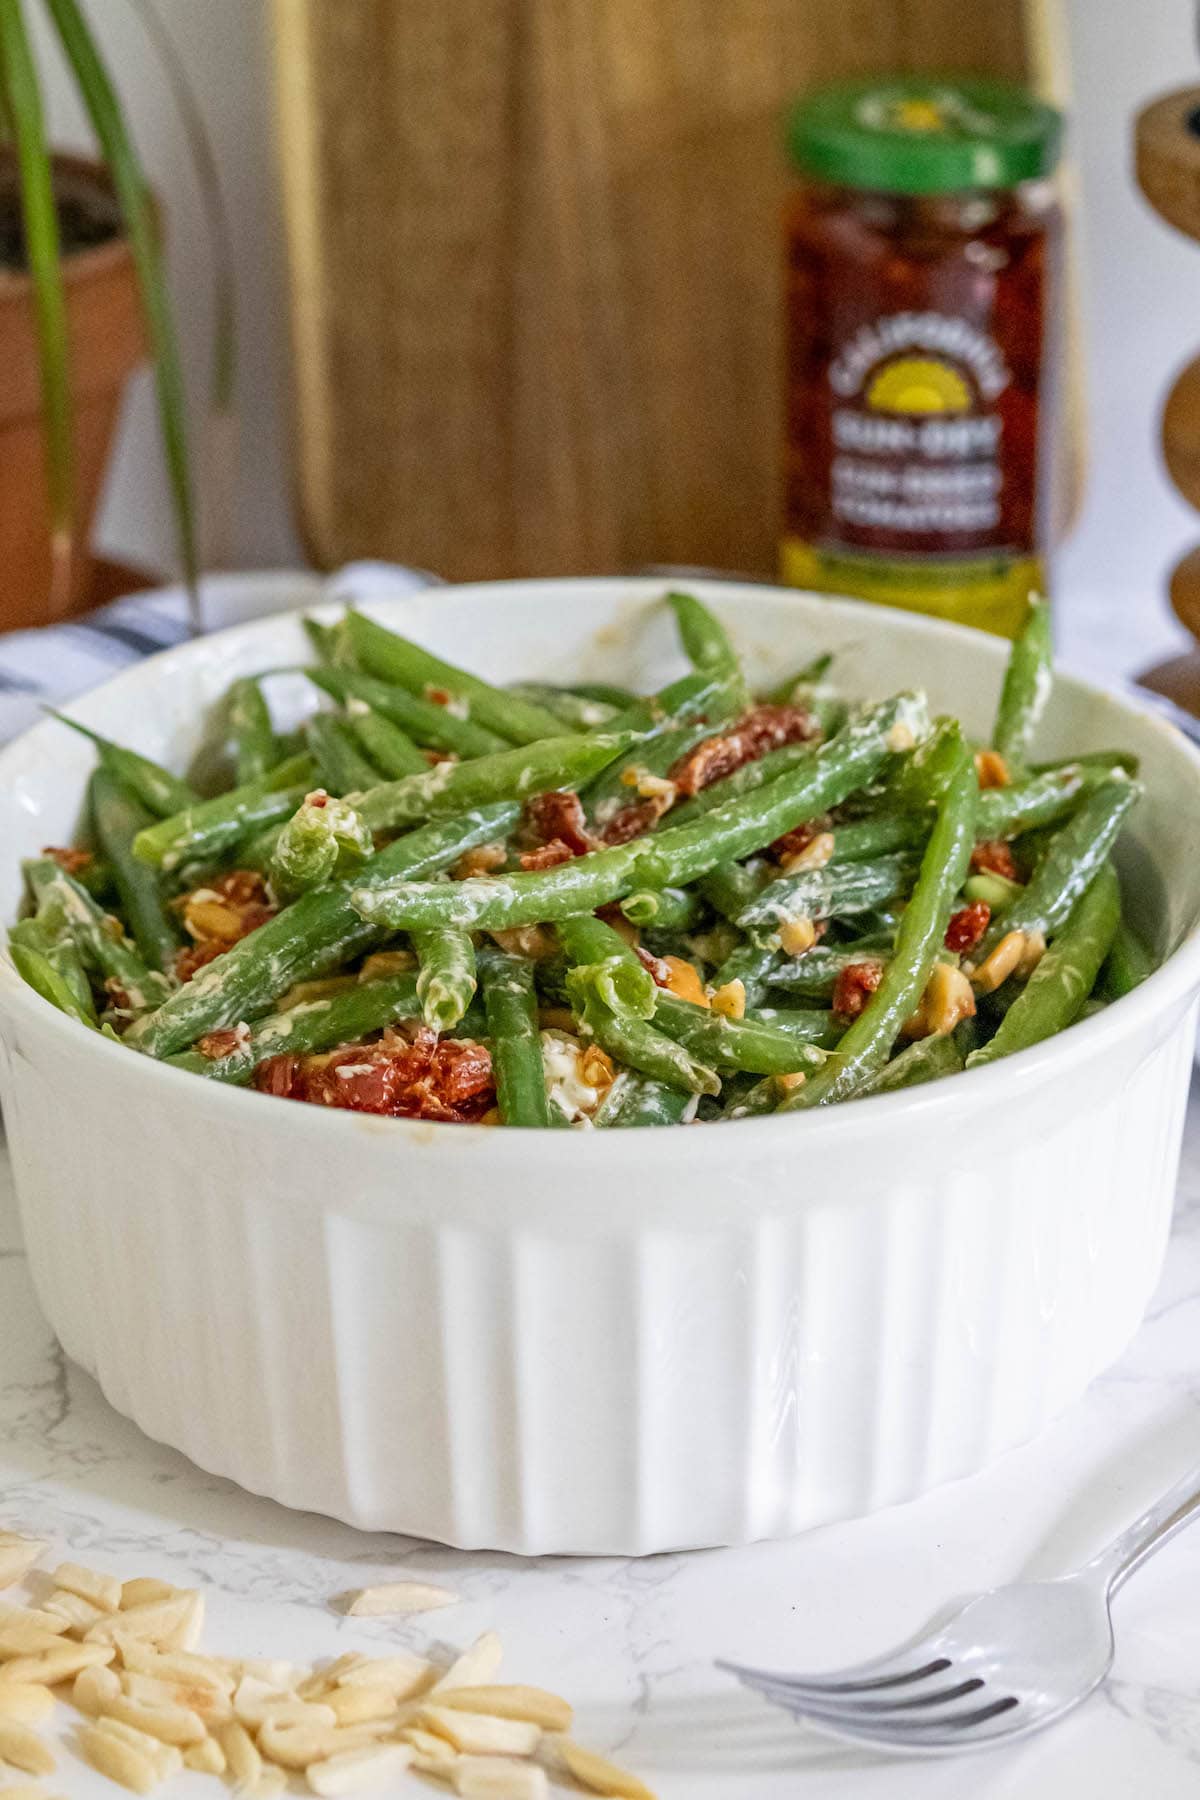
pixel 1141 287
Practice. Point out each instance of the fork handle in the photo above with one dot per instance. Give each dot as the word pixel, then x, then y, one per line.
pixel 1156 1526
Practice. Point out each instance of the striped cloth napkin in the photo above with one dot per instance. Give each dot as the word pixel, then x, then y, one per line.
pixel 59 662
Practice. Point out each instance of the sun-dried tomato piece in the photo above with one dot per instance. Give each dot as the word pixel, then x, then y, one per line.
pixel 634 821
pixel 763 728
pixel 218 1044
pixel 427 1078
pixel 798 838
pixel 967 927
pixel 559 816
pixel 658 966
pixel 547 856
pixel 855 984
pixel 193 958
pixel 992 856
pixel 74 862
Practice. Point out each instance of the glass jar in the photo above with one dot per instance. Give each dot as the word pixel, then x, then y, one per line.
pixel 922 346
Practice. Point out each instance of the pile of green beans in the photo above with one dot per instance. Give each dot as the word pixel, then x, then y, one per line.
pixel 822 922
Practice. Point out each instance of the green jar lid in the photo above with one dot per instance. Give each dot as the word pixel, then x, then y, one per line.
pixel 924 134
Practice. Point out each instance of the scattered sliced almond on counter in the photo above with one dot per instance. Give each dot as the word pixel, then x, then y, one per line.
pixel 62 1663
pixel 497 1778
pixel 596 1773
pixel 398 1598
pixel 17 1556
pixel 206 1757
pixel 25 1702
pixel 95 1688
pixel 481 1734
pixel 77 1614
pixel 474 1667
pixel 24 1749
pixel 144 1590
pixel 103 1591
pixel 11 1616
pixel 530 1703
pixel 358 1771
pixel 241 1755
pixel 402 1673
pixel 432 1755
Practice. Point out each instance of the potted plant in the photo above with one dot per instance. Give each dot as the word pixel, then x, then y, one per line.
pixel 82 300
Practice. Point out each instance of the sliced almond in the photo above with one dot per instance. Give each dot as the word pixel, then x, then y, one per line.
pixel 118 1760
pixel 165 1759
pixel 24 1749
pixel 352 1771
pixel 402 1674
pixel 432 1755
pixel 318 1684
pixel 165 1720
pixel 155 1622
pixel 241 1755
pixel 26 1702
pixel 79 1614
pixel 62 1663
pixel 270 1783
pixel 103 1591
pixel 26 1640
pixel 481 1734
pixel 595 1772
pixel 730 999
pixel 797 935
pixel 29 1790
pixel 533 1704
pixel 294 1746
pixel 145 1590
pixel 17 1556
pixel 475 1666
pixel 275 1670
pixel 211 1702
pixel 186 1635
pixel 397 1598
pixel 176 1665
pixel 360 1705
pixel 496 1778
pixel 206 1757
pixel 54 1623
pixel 94 1688
pixel 255 1702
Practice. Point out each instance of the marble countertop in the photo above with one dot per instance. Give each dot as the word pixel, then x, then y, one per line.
pixel 632 1642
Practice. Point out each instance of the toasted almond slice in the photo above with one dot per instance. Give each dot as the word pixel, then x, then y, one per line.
pixel 80 1615
pixel 17 1556
pixel 480 1734
pixel 11 1616
pixel 359 1705
pixel 432 1755
pixel 352 1771
pixel 475 1666
pixel 165 1720
pixel 95 1687
pixel 118 1760
pixel 154 1622
pixel 24 1749
pixel 62 1663
pixel 145 1590
pixel 595 1772
pixel 294 1746
pixel 206 1757
pixel 241 1755
pixel 393 1598
pixel 497 1778
pixel 534 1704
pixel 104 1591
pixel 27 1640
pixel 403 1675
pixel 730 1000
pixel 26 1702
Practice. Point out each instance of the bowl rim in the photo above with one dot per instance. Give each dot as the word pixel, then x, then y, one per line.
pixel 1013 1076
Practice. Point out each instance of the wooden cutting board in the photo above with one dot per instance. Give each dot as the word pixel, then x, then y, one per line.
pixel 534 263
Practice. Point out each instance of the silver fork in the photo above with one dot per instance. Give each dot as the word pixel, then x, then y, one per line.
pixel 1009 1662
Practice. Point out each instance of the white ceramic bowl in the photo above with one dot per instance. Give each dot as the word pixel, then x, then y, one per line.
pixel 605 1342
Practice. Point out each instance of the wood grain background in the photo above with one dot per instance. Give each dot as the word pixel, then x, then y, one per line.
pixel 534 264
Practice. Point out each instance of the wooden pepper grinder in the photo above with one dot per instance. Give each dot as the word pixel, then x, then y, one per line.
pixel 1167 150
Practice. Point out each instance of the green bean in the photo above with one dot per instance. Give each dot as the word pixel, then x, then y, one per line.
pixel 696 696
pixel 810 675
pixel 1027 683
pixel 666 909
pixel 636 1100
pixel 318 933
pixel 1100 760
pixel 751 775
pixel 880 835
pixel 117 819
pixel 331 643
pixel 918 779
pixel 394 658
pixel 996 891
pixel 815 973
pixel 572 708
pixel 209 828
pixel 341 766
pixel 1075 853
pixel 63 906
pixel 425 722
pixel 516 774
pixel 919 938
pixel 641 1046
pixel 1065 975
pixel 324 837
pixel 838 889
pixel 256 748
pixel 1041 800
pixel 753 965
pixel 705 641
pixel 448 977
pixel 808 1024
pixel 157 789
pixel 601 961
pixel 66 985
pixel 607 692
pixel 1128 964
pixel 512 1016
pixel 98 878
pixel 731 886
pixel 389 748
pixel 309 1027
pixel 927 1060
pixel 751 1044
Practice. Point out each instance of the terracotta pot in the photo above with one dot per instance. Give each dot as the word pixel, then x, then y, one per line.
pixel 107 343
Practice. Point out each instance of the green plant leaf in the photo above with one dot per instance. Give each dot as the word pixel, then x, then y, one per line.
pixel 133 196
pixel 23 113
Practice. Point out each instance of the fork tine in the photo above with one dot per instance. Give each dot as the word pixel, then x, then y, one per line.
pixel 908 1732
pixel 861 1678
pixel 897 1702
